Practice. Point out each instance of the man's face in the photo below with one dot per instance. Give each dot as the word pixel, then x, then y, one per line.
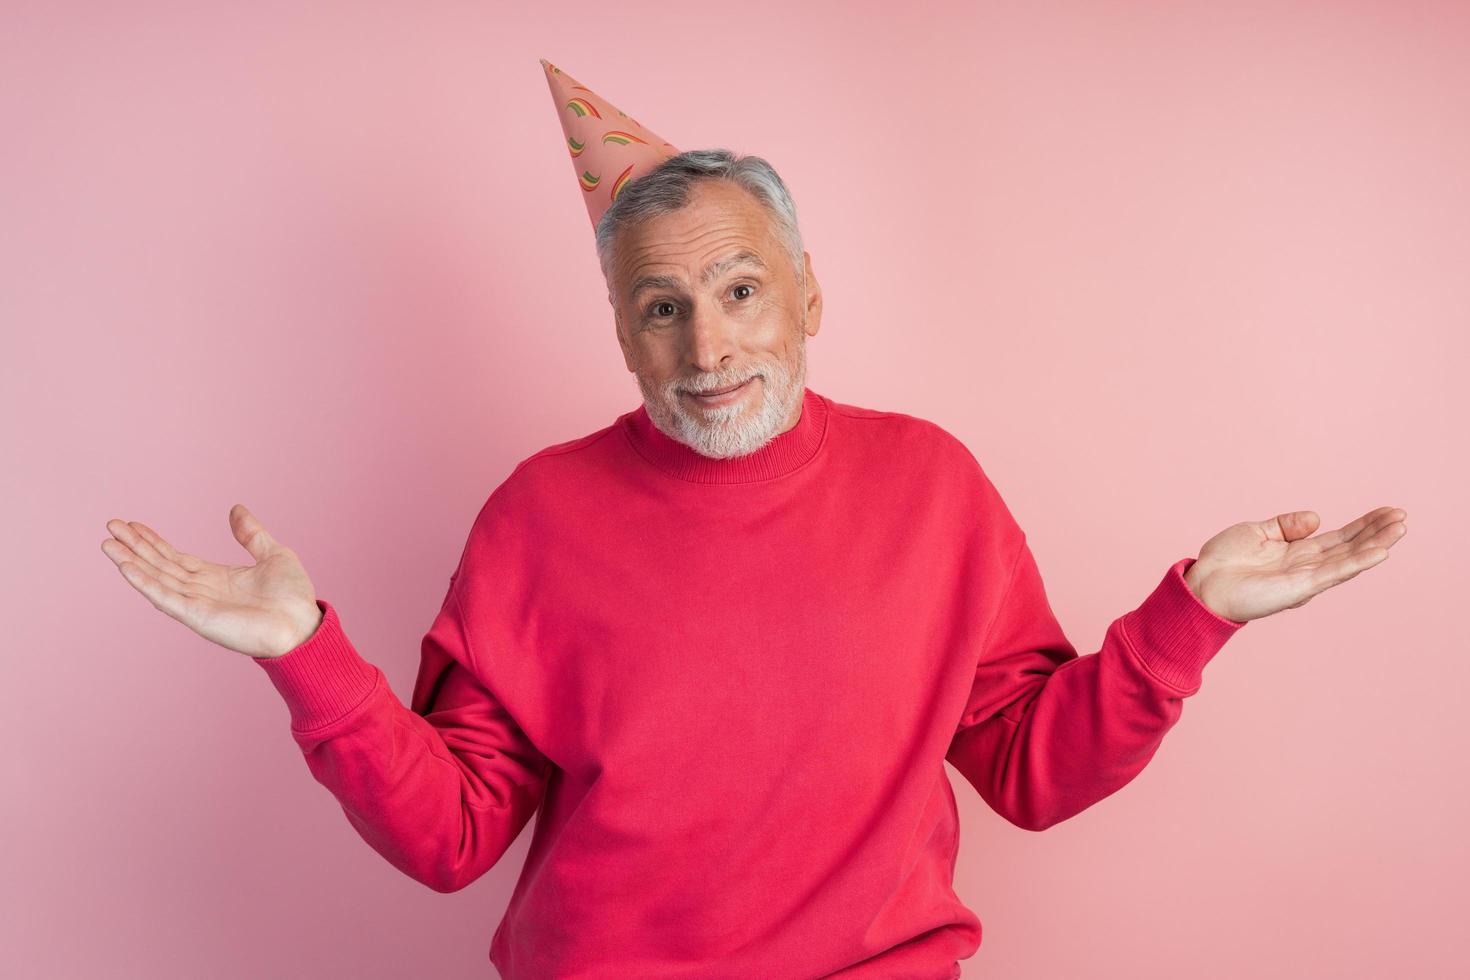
pixel 705 298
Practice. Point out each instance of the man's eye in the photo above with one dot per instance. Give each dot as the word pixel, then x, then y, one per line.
pixel 657 310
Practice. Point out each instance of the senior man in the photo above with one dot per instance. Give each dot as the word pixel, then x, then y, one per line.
pixel 727 642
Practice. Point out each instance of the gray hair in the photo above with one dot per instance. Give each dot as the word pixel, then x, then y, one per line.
pixel 665 189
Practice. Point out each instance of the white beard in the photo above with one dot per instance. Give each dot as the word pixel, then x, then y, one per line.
pixel 731 430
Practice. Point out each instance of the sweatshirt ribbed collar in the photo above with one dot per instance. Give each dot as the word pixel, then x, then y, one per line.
pixel 783 454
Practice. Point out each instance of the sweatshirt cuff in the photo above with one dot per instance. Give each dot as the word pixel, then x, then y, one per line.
pixel 1174 634
pixel 323 678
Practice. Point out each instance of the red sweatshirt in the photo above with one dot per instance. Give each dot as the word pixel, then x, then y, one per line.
pixel 730 687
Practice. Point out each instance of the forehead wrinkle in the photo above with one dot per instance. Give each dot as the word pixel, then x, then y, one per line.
pixel 744 255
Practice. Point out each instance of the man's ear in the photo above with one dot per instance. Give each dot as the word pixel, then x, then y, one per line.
pixel 813 312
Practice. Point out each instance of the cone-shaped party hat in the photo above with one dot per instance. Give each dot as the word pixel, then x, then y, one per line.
pixel 608 147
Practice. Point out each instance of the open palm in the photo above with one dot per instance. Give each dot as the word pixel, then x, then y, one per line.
pixel 1256 568
pixel 262 610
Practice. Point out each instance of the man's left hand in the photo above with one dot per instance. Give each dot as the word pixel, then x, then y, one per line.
pixel 1257 568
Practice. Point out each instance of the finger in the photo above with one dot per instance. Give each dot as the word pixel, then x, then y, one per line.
pixel 191 588
pixel 157 558
pixel 1386 536
pixel 117 551
pixel 251 533
pixel 1339 571
pixel 1347 532
pixel 121 553
pixel 1364 535
pixel 1291 526
pixel 143 552
pixel 164 598
pixel 183 559
pixel 1379 519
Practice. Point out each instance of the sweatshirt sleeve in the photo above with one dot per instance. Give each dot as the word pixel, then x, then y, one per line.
pixel 1045 733
pixel 440 789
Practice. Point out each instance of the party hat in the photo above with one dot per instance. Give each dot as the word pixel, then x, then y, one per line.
pixel 609 148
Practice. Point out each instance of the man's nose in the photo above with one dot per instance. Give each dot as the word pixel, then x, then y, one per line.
pixel 711 337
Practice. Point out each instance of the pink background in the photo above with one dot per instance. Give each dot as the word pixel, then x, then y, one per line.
pixel 1162 266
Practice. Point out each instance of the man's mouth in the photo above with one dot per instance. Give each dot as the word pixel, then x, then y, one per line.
pixel 718 393
pixel 721 391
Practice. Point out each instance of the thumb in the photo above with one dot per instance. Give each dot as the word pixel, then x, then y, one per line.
pixel 1292 525
pixel 251 533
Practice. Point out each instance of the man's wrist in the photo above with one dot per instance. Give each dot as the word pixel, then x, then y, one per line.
pixel 307 624
pixel 1191 579
pixel 1196 582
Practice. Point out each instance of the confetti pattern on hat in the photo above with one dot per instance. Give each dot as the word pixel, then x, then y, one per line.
pixel 608 147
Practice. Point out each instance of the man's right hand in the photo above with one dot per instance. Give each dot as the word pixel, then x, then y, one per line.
pixel 262 610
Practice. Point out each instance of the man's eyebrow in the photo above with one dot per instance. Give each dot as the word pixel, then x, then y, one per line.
pixel 712 270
